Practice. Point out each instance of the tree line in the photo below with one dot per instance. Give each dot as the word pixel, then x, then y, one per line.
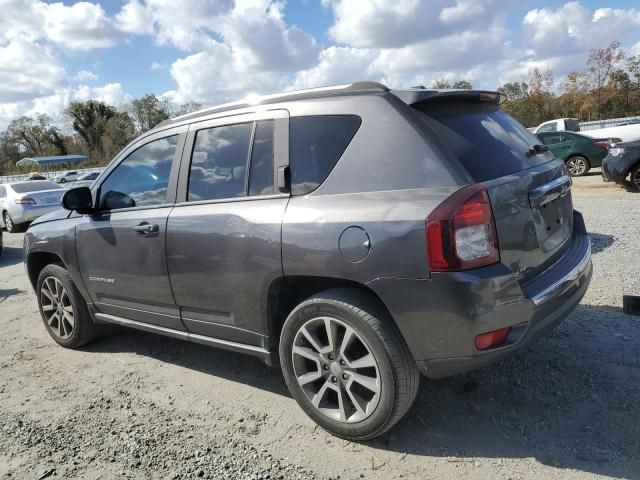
pixel 608 87
pixel 99 131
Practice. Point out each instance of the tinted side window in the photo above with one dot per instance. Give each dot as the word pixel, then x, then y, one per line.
pixel 219 162
pixel 142 178
pixel 315 146
pixel 552 138
pixel 261 174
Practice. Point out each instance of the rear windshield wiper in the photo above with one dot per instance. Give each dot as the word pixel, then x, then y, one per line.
pixel 536 149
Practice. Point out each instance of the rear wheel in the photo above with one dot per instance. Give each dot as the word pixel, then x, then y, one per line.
pixel 346 364
pixel 8 223
pixel 635 178
pixel 63 310
pixel 577 166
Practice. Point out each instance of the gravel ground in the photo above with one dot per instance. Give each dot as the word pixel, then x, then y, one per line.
pixel 135 405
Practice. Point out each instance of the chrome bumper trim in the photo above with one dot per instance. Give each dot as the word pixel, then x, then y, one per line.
pixel 566 282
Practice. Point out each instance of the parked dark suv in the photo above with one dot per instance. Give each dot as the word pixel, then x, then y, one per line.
pixel 360 234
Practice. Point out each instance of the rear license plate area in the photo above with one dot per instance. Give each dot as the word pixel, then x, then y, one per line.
pixel 554 222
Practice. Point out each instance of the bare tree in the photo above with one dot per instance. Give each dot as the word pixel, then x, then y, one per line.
pixel 36 135
pixel 600 64
pixel 633 65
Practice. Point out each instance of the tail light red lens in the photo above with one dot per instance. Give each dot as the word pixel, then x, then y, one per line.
pixel 492 339
pixel 602 144
pixel 25 201
pixel 461 232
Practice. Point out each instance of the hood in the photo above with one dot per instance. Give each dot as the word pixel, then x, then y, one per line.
pixel 59 214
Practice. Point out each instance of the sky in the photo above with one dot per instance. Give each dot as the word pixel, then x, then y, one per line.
pixel 214 51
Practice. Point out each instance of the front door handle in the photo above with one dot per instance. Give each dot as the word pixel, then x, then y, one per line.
pixel 146 229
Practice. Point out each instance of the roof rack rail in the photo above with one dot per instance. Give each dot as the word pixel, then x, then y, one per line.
pixel 366 86
pixel 355 87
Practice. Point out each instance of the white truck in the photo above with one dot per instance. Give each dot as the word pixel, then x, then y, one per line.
pixel 626 132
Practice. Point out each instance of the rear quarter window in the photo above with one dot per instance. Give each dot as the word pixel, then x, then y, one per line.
pixel 486 140
pixel 316 143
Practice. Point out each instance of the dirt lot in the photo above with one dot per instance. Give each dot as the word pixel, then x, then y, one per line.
pixel 135 405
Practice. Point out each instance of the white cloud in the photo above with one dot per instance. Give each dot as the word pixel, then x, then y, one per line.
pixel 85 76
pixel 338 65
pixel 135 18
pixel 255 52
pixel 157 66
pixel 575 28
pixel 399 23
pixel 28 70
pixel 81 26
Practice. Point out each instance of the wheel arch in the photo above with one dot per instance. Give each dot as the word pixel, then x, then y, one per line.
pixel 285 293
pixel 36 261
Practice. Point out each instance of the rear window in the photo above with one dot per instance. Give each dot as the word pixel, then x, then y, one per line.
pixel 316 143
pixel 35 186
pixel 488 142
pixel 572 125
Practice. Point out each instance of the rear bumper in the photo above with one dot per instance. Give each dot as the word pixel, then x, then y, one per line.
pixel 440 318
pixel 615 169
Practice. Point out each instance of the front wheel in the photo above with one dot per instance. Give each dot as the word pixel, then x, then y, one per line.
pixel 577 166
pixel 63 310
pixel 346 364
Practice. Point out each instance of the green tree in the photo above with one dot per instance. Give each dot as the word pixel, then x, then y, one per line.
pixel 149 111
pixel 462 85
pixel 517 103
pixel 36 136
pixel 189 107
pixel 119 131
pixel 441 84
pixel 90 121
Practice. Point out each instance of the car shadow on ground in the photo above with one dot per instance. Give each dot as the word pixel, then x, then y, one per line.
pixel 568 400
pixel 600 242
pixel 10 256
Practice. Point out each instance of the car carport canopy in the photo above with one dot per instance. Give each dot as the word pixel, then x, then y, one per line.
pixel 54 160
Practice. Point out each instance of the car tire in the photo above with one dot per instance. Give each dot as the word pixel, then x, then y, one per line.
pixel 62 180
pixel 634 178
pixel 366 372
pixel 9 225
pixel 63 310
pixel 577 166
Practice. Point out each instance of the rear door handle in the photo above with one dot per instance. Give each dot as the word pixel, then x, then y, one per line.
pixel 146 229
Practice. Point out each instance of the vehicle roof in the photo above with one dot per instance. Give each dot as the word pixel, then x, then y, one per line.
pixel 410 96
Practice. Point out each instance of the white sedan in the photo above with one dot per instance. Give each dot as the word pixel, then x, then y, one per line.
pixel 23 202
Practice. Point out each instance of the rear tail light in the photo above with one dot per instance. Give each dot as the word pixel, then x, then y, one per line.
pixel 602 144
pixel 25 201
pixel 492 339
pixel 461 232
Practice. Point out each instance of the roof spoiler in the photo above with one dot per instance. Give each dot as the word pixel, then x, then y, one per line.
pixel 420 95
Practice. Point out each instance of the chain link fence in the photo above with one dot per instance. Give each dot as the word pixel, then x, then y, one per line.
pixel 49 175
pixel 612 122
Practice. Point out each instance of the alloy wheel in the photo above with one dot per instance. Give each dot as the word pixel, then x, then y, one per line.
pixel 635 178
pixel 57 308
pixel 336 370
pixel 8 223
pixel 577 166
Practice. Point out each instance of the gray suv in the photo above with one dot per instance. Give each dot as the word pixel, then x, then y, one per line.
pixel 359 235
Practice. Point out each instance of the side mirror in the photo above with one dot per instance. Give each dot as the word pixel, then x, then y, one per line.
pixel 78 200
